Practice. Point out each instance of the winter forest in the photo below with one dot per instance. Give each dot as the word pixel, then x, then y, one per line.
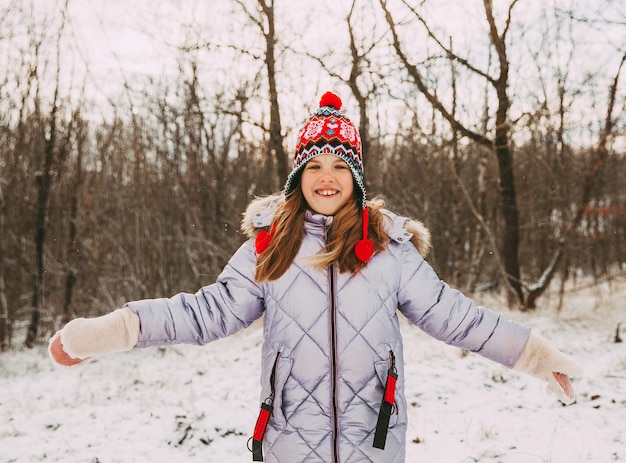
pixel 134 134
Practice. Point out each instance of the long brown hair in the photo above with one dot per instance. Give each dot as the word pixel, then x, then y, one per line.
pixel 345 231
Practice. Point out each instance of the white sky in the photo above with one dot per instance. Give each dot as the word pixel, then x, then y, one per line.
pixel 120 41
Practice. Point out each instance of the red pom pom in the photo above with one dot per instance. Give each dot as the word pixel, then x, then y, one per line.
pixel 264 238
pixel 364 250
pixel 330 99
pixel 262 241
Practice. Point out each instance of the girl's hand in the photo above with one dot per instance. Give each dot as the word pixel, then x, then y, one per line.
pixel 541 360
pixel 565 385
pixel 55 349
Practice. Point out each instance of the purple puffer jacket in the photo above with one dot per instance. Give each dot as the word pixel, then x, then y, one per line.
pixel 330 339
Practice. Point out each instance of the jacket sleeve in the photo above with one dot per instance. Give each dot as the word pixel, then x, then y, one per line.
pixel 446 314
pixel 233 302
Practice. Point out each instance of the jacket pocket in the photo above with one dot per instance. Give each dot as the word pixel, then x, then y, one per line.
pixel 280 372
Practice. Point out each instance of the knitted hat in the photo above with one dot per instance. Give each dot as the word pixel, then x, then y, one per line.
pixel 328 131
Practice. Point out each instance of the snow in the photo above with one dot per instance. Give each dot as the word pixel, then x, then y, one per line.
pixel 191 404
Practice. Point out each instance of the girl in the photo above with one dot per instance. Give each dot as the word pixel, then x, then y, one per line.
pixel 328 270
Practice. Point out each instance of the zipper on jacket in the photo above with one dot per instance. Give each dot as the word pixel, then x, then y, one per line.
pixel 333 362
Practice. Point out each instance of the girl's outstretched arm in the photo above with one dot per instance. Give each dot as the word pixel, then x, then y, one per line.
pixel 448 315
pixel 233 302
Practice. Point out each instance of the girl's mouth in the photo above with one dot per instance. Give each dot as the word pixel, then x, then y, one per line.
pixel 327 192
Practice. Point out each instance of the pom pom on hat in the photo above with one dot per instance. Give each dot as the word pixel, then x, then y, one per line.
pixel 331 99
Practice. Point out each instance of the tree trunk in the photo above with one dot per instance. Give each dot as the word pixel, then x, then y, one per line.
pixel 276 148
pixel 5 321
pixel 44 185
pixel 44 182
pixel 510 214
pixel 356 71
pixel 73 250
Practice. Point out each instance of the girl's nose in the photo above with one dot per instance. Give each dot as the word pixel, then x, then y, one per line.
pixel 326 174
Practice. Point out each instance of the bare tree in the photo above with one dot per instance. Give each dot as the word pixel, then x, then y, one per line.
pixel 5 321
pixel 499 141
pixel 74 247
pixel 52 156
pixel 265 21
pixel 496 140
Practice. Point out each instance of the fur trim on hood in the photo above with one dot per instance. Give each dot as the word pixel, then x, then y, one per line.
pixel 260 213
pixel 421 235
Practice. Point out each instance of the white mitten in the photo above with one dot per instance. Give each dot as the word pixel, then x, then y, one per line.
pixel 542 360
pixel 84 338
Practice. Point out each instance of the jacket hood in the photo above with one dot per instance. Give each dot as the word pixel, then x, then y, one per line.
pixel 260 213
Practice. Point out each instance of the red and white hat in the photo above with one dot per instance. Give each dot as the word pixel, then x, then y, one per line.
pixel 328 131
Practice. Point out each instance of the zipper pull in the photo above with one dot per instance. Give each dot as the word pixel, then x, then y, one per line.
pixel 259 430
pixel 264 416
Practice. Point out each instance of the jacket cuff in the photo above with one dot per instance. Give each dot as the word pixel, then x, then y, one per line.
pixel 506 343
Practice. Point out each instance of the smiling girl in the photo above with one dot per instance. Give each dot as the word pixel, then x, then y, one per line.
pixel 329 271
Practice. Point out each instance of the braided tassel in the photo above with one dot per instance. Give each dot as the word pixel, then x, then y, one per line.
pixel 364 248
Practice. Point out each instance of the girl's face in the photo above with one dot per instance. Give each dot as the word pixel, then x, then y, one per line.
pixel 327 184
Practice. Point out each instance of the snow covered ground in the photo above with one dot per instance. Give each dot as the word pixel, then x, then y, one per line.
pixel 190 404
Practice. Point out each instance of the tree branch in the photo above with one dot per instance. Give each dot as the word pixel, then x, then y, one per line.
pixel 423 88
pixel 446 49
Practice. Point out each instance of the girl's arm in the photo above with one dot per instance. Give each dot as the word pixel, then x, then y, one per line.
pixel 448 315
pixel 233 302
